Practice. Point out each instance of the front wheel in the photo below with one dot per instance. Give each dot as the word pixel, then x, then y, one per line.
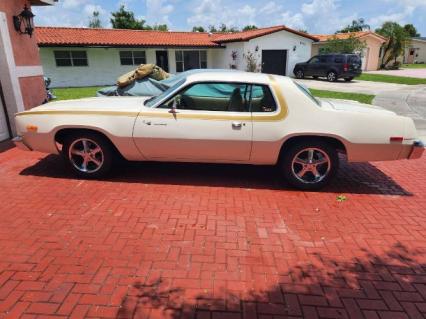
pixel 300 74
pixel 88 154
pixel 309 165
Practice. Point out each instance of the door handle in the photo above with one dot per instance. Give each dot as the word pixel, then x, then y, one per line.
pixel 237 124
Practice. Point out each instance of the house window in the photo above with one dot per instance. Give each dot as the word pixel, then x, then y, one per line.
pixel 71 58
pixel 188 60
pixel 132 57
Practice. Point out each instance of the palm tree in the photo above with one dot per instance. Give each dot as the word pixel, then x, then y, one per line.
pixel 397 41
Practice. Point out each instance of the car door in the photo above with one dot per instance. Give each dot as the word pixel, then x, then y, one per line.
pixel 202 122
pixel 312 66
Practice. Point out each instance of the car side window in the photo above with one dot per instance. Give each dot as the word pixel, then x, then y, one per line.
pixel 262 99
pixel 314 60
pixel 338 59
pixel 219 97
pixel 323 59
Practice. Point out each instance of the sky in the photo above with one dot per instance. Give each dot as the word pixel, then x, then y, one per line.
pixel 315 16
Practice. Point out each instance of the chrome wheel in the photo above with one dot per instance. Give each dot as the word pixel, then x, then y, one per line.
pixel 331 77
pixel 300 74
pixel 86 155
pixel 311 165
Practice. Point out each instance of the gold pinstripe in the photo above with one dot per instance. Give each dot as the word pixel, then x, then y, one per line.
pixel 282 114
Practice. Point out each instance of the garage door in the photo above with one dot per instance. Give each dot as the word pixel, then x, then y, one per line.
pixel 274 61
pixel 4 133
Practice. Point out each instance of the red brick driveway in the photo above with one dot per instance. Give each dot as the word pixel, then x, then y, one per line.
pixel 205 241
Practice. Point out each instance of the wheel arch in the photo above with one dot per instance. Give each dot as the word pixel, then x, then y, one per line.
pixel 338 143
pixel 63 132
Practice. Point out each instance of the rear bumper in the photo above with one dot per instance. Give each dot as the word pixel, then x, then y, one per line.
pixel 19 143
pixel 417 150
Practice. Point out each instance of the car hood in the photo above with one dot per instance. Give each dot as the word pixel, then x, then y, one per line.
pixel 110 104
pixel 354 106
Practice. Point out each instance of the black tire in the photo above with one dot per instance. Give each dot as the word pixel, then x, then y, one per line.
pixel 332 76
pixel 290 168
pixel 93 140
pixel 299 74
pixel 349 79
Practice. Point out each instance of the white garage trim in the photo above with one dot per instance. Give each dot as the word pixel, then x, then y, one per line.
pixel 27 71
pixel 8 77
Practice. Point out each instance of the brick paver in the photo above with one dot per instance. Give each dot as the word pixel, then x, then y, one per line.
pixel 206 241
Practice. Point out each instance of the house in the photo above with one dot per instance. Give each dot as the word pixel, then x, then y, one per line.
pixel 371 54
pixel 21 76
pixel 74 57
pixel 416 51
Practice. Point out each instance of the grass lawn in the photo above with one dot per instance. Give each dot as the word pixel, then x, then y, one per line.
pixel 75 93
pixel 78 93
pixel 363 98
pixel 414 66
pixel 390 79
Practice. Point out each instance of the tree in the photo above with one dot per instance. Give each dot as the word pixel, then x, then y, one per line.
pixel 357 25
pixel 160 27
pixel 349 45
pixel 198 29
pixel 95 22
pixel 411 30
pixel 303 30
pixel 250 27
pixel 124 19
pixel 398 39
pixel 222 28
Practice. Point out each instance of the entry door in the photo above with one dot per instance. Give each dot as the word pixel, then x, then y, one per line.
pixel 162 58
pixel 4 133
pixel 274 61
pixel 210 124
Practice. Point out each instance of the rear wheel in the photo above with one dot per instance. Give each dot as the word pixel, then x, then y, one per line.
pixel 88 154
pixel 309 165
pixel 315 77
pixel 300 74
pixel 331 76
pixel 349 79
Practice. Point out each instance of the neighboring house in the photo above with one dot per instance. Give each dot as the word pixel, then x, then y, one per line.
pixel 21 74
pixel 371 54
pixel 85 57
pixel 416 51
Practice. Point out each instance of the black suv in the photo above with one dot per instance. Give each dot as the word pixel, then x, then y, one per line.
pixel 331 66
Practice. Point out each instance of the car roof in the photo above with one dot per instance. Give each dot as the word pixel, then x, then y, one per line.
pixel 206 75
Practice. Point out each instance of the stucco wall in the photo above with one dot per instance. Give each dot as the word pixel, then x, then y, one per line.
pixel 282 40
pixel 20 65
pixel 103 65
pixel 420 51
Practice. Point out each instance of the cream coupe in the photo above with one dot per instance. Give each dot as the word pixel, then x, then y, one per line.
pixel 221 117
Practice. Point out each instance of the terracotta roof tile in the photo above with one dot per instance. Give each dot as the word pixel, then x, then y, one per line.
pixel 343 36
pixel 61 36
pixel 116 37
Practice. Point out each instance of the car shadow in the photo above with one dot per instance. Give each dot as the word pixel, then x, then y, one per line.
pixel 355 178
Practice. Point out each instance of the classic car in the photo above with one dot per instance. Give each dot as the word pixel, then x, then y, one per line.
pixel 220 117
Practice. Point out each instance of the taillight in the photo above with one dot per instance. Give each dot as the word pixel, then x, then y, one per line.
pixel 346 67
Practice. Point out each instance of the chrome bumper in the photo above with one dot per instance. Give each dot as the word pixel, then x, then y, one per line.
pixel 19 143
pixel 416 150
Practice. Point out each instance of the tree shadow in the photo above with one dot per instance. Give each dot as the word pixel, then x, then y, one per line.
pixel 355 178
pixel 384 285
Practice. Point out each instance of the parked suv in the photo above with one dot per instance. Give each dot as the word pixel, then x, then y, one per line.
pixel 331 66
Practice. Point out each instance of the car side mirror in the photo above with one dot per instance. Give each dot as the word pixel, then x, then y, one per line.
pixel 175 105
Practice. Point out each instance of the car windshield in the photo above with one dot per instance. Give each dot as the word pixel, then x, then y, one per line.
pixel 308 93
pixel 153 100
